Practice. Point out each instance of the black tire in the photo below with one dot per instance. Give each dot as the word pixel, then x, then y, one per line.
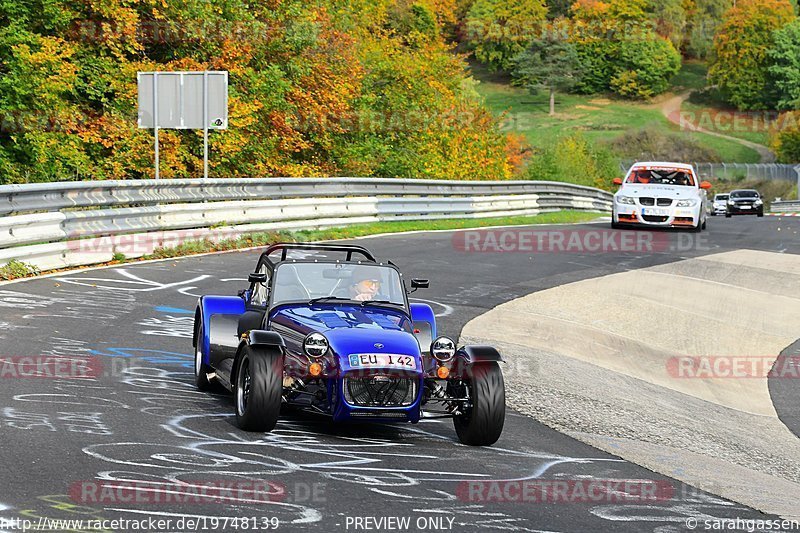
pixel 614 225
pixel 704 223
pixel 728 215
pixel 483 422
pixel 201 369
pixel 698 228
pixel 760 214
pixel 257 390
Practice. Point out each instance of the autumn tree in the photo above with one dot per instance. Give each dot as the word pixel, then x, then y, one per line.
pixel 741 46
pixel 498 30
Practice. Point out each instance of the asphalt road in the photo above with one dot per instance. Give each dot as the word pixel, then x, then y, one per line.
pixel 141 421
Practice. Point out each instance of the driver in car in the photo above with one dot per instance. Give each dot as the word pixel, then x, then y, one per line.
pixel 365 285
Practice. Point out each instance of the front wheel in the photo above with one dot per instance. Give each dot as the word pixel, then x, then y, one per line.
pixel 258 388
pixel 482 423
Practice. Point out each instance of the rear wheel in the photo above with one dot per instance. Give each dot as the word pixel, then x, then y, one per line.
pixel 482 423
pixel 258 388
pixel 201 370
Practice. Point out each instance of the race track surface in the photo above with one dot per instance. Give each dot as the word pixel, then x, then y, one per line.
pixel 142 421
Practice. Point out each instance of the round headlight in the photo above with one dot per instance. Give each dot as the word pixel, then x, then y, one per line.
pixel 315 345
pixel 443 349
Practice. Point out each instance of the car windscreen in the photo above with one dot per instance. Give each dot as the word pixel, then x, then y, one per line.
pixel 744 194
pixel 721 197
pixel 661 176
pixel 350 281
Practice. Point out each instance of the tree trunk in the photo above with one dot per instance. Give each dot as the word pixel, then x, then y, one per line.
pixel 552 101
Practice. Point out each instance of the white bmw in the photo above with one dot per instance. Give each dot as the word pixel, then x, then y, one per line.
pixel 661 194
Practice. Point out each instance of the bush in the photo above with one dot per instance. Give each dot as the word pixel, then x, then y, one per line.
pixel 785 141
pixel 652 143
pixel 17 269
pixel 637 66
pixel 573 159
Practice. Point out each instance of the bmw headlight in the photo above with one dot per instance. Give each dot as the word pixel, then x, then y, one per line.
pixel 686 203
pixel 443 349
pixel 625 200
pixel 315 345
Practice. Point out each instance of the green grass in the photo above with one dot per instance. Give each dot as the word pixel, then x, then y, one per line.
pixel 729 152
pixel 721 120
pixel 599 118
pixel 362 230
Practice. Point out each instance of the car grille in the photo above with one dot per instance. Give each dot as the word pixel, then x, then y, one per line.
pixel 661 202
pixel 380 391
pixel 652 218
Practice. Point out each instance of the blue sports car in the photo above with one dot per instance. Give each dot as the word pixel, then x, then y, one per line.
pixel 328 329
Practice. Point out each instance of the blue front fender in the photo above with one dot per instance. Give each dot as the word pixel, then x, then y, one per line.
pixel 424 322
pixel 216 315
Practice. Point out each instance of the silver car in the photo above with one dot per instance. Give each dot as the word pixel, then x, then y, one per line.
pixel 720 204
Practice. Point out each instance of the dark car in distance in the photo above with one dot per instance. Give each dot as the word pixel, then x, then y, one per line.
pixel 745 202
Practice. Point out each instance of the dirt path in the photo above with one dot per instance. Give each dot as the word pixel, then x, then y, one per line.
pixel 672 110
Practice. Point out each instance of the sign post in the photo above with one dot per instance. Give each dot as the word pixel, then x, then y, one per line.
pixel 183 100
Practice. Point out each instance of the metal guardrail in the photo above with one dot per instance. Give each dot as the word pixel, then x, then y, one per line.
pixel 56 225
pixel 785 206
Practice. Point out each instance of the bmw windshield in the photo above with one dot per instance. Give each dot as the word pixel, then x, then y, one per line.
pixel 661 176
pixel 320 282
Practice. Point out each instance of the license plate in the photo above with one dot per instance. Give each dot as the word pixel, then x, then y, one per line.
pixel 656 212
pixel 744 207
pixel 382 360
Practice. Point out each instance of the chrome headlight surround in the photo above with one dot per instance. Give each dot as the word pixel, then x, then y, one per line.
pixel 627 200
pixel 443 349
pixel 315 345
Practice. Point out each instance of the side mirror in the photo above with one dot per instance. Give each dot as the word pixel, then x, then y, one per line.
pixel 617 181
pixel 257 278
pixel 418 283
pixel 705 185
